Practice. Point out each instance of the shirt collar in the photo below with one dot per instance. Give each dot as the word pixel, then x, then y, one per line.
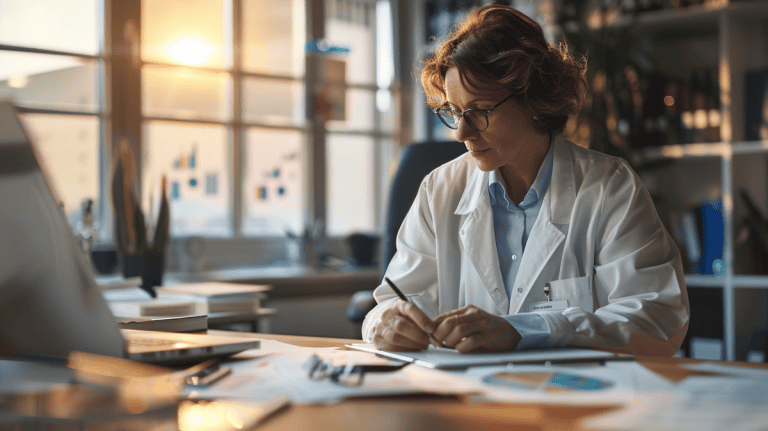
pixel 497 190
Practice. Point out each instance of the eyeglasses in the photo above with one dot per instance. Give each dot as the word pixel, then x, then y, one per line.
pixel 345 375
pixel 475 118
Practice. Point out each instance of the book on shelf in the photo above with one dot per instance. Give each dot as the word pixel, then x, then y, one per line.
pixel 756 109
pixel 703 237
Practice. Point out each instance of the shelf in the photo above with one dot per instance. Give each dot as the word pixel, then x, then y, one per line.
pixel 693 17
pixel 693 280
pixel 750 281
pixel 737 281
pixel 710 149
pixel 698 16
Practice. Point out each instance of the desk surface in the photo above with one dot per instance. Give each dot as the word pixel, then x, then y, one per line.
pixel 444 413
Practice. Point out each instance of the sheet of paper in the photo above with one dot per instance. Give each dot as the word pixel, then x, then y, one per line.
pixel 731 370
pixel 279 368
pixel 696 403
pixel 615 383
pixel 272 347
pixel 255 379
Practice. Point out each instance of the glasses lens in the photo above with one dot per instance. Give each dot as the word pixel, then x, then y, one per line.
pixel 447 118
pixel 477 119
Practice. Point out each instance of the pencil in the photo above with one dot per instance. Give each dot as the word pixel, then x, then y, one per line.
pixel 405 298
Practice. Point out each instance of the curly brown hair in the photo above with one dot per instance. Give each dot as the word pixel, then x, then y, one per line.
pixel 498 47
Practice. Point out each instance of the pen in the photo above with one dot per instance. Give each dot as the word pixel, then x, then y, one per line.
pixel 208 376
pixel 405 298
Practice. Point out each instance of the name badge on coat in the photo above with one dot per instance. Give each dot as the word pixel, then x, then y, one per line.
pixel 550 305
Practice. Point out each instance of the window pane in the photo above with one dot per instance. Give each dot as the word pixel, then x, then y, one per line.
pixel 389 162
pixel 350 24
pixel 69 147
pixel 273 102
pixel 273 36
pixel 180 92
pixel 351 196
pixel 385 108
pixel 70 25
pixel 358 111
pixel 194 158
pixel 273 186
pixel 49 81
pixel 186 32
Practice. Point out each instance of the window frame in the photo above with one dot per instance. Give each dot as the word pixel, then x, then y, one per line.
pixel 121 118
pixel 269 249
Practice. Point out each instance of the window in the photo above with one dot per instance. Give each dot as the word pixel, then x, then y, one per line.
pixel 244 107
pixel 359 137
pixel 223 105
pixel 51 67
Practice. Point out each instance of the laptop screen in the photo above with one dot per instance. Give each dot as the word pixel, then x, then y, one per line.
pixel 50 303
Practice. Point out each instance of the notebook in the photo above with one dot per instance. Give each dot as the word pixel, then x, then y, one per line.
pixel 50 302
pixel 444 358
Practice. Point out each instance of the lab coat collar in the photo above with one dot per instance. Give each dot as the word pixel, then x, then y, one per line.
pixel 561 185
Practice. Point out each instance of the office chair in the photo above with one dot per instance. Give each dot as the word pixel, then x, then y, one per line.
pixel 416 162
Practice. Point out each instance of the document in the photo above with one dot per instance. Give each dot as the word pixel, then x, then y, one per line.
pixel 615 383
pixel 695 403
pixel 444 358
pixel 278 369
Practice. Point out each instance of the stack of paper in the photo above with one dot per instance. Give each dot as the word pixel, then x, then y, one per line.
pixel 155 307
pixel 219 297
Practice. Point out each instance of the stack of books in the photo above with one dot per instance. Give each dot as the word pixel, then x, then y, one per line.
pixel 219 297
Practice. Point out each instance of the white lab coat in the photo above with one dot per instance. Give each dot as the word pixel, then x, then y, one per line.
pixel 597 242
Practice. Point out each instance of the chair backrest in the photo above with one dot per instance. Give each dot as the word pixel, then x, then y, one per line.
pixel 416 162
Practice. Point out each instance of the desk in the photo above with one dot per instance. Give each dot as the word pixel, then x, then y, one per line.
pixel 444 413
pixel 423 412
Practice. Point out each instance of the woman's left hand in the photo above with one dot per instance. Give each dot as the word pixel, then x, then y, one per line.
pixel 471 329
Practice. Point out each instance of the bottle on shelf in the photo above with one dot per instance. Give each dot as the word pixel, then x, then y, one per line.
pixel 672 103
pixel 699 108
pixel 654 121
pixel 714 118
pixel 686 113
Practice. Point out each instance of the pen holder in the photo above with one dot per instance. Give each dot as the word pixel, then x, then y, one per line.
pixel 302 253
pixel 149 266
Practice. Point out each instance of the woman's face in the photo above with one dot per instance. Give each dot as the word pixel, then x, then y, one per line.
pixel 510 133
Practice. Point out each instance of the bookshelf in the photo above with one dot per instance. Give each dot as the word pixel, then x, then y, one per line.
pixel 729 38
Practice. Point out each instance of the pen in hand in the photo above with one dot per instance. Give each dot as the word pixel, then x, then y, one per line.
pixel 405 298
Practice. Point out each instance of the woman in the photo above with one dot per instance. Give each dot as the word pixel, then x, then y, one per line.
pixel 528 240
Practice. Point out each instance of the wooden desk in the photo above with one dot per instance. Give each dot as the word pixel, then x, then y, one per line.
pixel 395 413
pixel 444 413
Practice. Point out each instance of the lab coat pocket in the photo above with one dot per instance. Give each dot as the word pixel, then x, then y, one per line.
pixel 577 291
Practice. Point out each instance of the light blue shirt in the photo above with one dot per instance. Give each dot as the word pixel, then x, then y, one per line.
pixel 512 226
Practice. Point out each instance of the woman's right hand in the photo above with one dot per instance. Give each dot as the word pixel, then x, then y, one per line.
pixel 403 327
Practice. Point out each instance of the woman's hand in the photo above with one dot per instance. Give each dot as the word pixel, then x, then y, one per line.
pixel 470 329
pixel 403 327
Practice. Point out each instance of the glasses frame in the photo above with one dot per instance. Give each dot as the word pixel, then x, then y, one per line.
pixel 462 114
pixel 350 374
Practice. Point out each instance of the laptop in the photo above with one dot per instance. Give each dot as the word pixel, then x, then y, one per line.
pixel 50 303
